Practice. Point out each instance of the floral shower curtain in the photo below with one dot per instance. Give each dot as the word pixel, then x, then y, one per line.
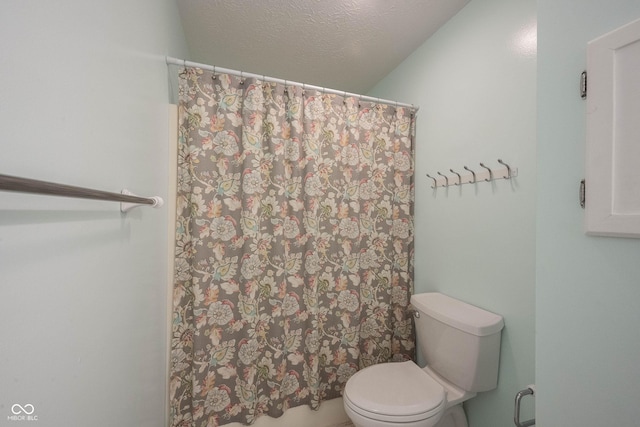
pixel 294 251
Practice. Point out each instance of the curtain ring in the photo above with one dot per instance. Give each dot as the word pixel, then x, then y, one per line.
pixel 184 71
pixel 214 73
pixel 241 77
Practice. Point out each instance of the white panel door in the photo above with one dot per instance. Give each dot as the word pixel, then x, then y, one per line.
pixel 613 133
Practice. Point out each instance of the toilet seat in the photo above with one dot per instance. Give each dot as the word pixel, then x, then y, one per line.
pixel 398 392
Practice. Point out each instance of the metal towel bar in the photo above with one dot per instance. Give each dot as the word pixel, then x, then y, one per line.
pixel 127 199
pixel 529 391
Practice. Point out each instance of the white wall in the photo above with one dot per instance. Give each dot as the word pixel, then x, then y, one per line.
pixel 475 82
pixel 83 101
pixel 588 288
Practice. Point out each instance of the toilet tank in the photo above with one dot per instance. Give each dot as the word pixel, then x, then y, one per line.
pixel 459 341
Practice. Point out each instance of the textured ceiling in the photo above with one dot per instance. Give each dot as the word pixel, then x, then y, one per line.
pixel 347 45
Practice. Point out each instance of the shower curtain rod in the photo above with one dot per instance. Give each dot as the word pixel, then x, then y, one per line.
pixel 127 199
pixel 185 63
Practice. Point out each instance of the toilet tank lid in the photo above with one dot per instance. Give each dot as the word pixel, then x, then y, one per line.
pixel 458 314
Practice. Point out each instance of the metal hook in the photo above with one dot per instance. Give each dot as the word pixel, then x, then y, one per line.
pixel 508 169
pixel 435 181
pixel 490 172
pixel 459 178
pixel 445 177
pixel 472 173
pixel 241 77
pixel 213 77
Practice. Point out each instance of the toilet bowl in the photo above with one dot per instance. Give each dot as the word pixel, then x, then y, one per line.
pixel 394 393
pixel 461 344
pixel 403 394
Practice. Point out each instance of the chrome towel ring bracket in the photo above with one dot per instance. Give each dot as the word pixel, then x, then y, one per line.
pixel 529 391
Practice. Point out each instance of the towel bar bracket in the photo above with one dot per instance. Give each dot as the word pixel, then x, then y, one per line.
pixel 126 207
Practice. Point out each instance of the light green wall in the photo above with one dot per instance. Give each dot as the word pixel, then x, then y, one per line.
pixel 475 82
pixel 83 100
pixel 588 288
pixel 83 90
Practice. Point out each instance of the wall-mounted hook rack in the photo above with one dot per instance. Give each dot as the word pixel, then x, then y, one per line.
pixel 484 173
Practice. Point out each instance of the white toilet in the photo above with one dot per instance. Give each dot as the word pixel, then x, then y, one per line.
pixel 461 345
